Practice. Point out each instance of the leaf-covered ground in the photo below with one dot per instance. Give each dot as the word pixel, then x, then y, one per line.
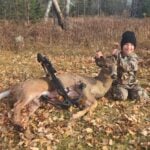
pixel 115 125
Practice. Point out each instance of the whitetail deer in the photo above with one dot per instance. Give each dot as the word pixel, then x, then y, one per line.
pixel 27 94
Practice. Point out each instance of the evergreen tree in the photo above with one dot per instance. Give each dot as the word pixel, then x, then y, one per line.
pixel 111 7
pixel 146 8
pixel 36 11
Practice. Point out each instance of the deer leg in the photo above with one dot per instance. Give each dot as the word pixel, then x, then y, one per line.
pixel 80 113
pixel 93 107
pixel 17 112
pixel 30 109
pixel 88 109
pixel 18 108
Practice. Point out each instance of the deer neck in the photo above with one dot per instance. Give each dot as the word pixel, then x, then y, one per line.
pixel 105 78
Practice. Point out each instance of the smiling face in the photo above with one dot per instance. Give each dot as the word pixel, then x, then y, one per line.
pixel 128 48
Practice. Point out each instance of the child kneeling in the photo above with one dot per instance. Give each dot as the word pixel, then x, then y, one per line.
pixel 125 84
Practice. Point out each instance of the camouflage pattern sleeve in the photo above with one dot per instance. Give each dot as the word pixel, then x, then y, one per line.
pixel 130 63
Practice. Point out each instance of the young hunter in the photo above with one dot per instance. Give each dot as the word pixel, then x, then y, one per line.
pixel 125 84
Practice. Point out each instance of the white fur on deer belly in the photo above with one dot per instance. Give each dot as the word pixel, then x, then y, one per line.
pixel 52 94
pixel 45 93
pixel 73 94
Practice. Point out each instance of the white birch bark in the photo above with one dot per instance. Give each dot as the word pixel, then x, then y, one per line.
pixel 48 10
pixel 67 7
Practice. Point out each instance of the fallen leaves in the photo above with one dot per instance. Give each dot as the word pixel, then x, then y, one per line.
pixel 116 125
pixel 89 130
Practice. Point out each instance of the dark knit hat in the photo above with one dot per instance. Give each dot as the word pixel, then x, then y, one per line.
pixel 128 37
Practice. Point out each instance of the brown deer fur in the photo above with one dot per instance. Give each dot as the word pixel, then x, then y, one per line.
pixel 27 94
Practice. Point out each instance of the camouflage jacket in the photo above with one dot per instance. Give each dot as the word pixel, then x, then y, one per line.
pixel 126 69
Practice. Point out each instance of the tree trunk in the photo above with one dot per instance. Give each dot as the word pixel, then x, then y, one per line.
pixel 58 14
pixel 136 8
pixel 48 10
pixel 67 8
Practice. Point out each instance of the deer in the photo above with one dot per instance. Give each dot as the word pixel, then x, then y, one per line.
pixel 27 95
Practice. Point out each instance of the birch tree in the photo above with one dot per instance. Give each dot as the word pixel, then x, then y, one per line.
pixel 67 8
pixel 58 13
pixel 49 5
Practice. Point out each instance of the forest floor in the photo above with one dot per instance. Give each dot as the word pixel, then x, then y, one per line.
pixel 115 125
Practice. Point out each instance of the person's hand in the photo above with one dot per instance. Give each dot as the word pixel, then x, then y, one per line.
pixel 114 52
pixel 98 54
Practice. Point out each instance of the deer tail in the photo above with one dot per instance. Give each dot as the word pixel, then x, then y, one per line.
pixel 4 94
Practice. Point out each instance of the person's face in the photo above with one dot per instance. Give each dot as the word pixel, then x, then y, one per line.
pixel 128 48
